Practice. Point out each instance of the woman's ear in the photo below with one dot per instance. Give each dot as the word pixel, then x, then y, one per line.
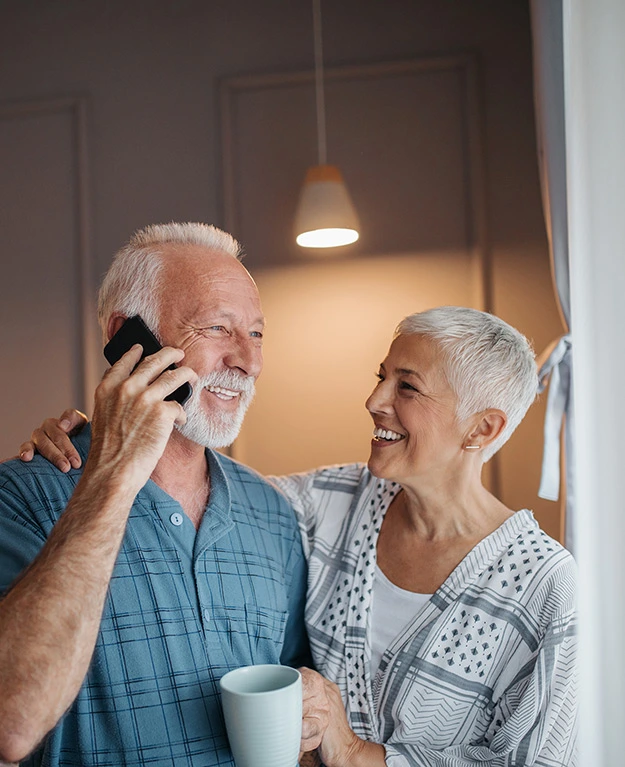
pixel 488 425
pixel 116 320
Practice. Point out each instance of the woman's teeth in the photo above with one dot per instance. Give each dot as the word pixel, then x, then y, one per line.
pixel 223 393
pixel 387 434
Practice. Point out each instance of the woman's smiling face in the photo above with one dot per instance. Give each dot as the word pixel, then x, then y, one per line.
pixel 416 433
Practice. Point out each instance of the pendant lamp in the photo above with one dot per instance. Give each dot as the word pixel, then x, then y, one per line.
pixel 325 217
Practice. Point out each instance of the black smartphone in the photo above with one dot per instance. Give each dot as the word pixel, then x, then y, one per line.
pixel 135 331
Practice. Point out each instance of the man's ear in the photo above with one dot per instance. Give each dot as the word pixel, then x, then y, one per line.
pixel 116 320
pixel 487 426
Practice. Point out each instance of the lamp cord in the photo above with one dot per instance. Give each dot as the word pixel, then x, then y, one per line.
pixel 321 109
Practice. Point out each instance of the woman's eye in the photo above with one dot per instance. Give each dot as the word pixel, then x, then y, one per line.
pixel 380 377
pixel 407 386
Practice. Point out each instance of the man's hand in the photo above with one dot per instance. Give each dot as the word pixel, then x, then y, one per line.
pixel 132 421
pixel 52 438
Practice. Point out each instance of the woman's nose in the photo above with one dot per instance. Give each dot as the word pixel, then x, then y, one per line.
pixel 380 399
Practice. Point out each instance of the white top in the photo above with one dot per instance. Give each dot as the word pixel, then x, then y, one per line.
pixel 392 609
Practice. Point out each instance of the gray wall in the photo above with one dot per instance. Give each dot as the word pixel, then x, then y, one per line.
pixel 146 78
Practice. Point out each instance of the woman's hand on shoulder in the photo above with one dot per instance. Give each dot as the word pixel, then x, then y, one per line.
pixel 52 440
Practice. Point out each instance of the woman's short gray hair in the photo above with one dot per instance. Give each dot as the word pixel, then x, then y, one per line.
pixel 487 362
pixel 132 283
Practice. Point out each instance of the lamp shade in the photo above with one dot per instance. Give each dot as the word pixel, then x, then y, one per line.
pixel 325 216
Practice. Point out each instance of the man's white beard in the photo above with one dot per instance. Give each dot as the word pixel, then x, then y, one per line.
pixel 219 428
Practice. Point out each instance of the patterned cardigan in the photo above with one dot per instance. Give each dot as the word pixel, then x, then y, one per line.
pixel 485 673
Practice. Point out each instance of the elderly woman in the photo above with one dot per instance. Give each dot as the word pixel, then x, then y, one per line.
pixel 443 620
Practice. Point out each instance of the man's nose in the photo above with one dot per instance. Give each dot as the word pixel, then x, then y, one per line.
pixel 246 355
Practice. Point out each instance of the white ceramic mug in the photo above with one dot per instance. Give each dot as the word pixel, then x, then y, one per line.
pixel 263 712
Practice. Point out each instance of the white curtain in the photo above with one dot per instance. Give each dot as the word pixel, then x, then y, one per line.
pixel 555 372
pixel 594 77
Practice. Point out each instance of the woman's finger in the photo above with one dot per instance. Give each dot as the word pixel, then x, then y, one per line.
pixel 27 451
pixel 72 421
pixel 51 439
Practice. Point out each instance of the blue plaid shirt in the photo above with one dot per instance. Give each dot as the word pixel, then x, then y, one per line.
pixel 182 610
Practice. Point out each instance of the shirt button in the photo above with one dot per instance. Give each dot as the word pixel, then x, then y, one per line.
pixel 176 519
pixel 207 616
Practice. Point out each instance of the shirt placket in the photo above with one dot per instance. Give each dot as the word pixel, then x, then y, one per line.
pixel 216 523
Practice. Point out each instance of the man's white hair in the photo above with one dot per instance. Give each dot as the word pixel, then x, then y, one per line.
pixel 487 362
pixel 132 283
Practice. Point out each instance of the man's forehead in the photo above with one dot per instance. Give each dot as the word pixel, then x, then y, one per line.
pixel 192 263
pixel 210 284
pixel 191 253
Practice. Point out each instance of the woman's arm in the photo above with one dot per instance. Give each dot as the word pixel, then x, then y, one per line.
pixel 533 723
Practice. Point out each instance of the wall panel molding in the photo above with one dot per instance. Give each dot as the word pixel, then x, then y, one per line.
pixel 465 65
pixel 87 349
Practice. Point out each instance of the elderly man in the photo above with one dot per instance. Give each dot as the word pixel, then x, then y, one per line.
pixel 134 584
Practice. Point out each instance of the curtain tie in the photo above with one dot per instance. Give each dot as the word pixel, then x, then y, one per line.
pixel 555 372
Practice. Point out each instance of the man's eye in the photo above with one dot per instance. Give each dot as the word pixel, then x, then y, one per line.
pixel 256 334
pixel 218 328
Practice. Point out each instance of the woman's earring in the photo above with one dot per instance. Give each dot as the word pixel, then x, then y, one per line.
pixel 472 447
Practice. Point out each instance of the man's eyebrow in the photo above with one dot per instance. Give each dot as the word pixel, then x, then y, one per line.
pixel 232 316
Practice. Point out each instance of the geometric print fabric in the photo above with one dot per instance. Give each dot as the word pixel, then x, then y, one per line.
pixel 484 674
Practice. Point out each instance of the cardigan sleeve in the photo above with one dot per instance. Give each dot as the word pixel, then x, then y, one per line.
pixel 533 723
